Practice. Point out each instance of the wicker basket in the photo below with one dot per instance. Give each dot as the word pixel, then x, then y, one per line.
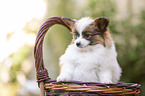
pixel 50 87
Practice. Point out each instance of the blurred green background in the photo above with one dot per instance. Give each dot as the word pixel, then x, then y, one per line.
pixel 20 21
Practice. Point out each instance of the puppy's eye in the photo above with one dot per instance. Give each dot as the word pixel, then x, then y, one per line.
pixel 76 35
pixel 87 36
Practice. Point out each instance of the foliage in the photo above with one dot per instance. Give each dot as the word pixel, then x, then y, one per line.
pixel 99 8
pixel 18 59
pixel 131 51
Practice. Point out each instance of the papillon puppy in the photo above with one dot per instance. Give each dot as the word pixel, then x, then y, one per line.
pixel 91 57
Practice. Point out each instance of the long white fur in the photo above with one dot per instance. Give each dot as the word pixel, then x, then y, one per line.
pixel 90 63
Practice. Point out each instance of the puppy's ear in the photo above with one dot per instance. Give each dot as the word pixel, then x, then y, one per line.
pixel 102 23
pixel 69 22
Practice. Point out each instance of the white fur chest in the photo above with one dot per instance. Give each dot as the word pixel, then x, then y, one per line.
pixel 94 63
pixel 86 62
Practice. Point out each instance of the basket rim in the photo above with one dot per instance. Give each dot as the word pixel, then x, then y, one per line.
pixel 120 88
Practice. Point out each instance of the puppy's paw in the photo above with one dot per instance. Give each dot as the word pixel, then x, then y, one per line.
pixel 62 78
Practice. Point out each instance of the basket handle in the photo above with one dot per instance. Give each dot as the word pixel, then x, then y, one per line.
pixel 41 71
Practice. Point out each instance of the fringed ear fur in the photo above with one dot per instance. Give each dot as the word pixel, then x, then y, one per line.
pixel 69 22
pixel 102 23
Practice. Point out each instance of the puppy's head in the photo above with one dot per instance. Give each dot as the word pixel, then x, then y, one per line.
pixel 89 32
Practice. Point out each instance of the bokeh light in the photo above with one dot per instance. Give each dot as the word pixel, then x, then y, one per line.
pixel 15 17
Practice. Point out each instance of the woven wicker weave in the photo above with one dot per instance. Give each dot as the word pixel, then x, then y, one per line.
pixel 50 87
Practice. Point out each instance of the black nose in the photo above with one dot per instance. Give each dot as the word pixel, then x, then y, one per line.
pixel 78 43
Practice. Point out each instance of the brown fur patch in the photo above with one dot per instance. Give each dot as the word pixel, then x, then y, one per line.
pixel 74 33
pixel 96 37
